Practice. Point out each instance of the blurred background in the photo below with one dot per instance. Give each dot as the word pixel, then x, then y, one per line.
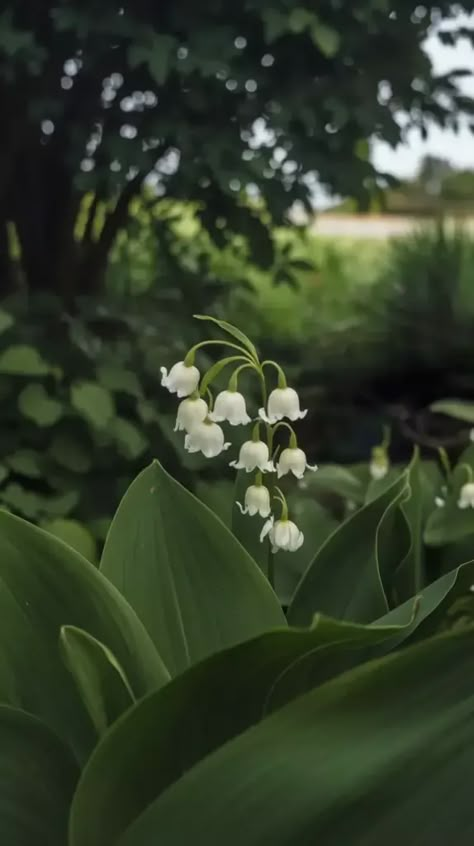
pixel 300 169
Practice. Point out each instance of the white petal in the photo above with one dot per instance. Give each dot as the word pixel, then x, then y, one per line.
pixel 462 503
pixel 267 527
pixel 164 376
pixel 242 510
pixel 280 471
pixel 237 464
pixel 312 467
pixel 263 416
pixel 299 415
pixel 299 542
pixel 226 446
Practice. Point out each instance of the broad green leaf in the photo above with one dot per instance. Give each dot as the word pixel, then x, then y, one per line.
pixel 231 330
pixel 411 575
pixel 119 379
pixel 131 442
pixel 455 408
pixel 37 780
pixel 368 758
pixel 93 402
pixel 35 404
pixel 434 604
pixel 6 320
pixel 43 586
pixel 74 534
pixel 102 683
pixel 71 452
pixel 190 581
pixel 344 580
pixel 450 523
pixel 316 524
pixel 204 707
pixel 22 360
pixel 338 480
pixel 26 462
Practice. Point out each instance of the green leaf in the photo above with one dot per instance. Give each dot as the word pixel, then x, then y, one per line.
pixel 70 452
pixel 75 535
pixel 338 480
pixel 43 586
pixel 326 39
pixel 102 683
pixel 434 604
pixel 214 371
pixel 130 440
pixel 367 758
pixel 345 578
pixel 411 575
pixel 6 320
pixel 22 360
pixel 458 409
pixel 23 501
pixel 26 462
pixel 193 585
pixel 94 403
pixel 35 404
pixel 450 523
pixel 205 707
pixel 37 778
pixel 231 330
pixel 119 380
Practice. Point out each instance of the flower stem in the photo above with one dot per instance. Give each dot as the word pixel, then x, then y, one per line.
pixel 281 375
pixel 233 381
pixel 189 357
pixel 293 440
pixel 284 505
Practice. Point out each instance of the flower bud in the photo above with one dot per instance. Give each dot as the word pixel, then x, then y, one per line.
pixel 257 501
pixel 293 460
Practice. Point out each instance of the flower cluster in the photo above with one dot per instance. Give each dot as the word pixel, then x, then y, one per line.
pixel 200 417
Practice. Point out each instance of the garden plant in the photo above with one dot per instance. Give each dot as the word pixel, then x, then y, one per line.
pixel 175 694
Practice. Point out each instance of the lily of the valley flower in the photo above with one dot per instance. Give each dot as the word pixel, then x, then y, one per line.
pixel 283 534
pixel 282 402
pixel 293 460
pixel 191 411
pixel 257 501
pixel 206 437
pixel 466 496
pixel 254 455
pixel 182 379
pixel 230 406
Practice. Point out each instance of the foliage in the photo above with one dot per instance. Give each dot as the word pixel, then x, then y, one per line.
pixel 274 727
pixel 81 411
pixel 196 104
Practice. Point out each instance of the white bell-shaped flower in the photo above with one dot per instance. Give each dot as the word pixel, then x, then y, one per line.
pixel 257 501
pixel 230 406
pixel 206 437
pixel 282 402
pixel 293 460
pixel 190 412
pixel 253 455
pixel 466 496
pixel 182 379
pixel 283 534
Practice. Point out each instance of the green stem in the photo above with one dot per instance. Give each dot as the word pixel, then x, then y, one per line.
pixel 189 357
pixel 293 439
pixel 444 458
pixel 284 505
pixel 233 381
pixel 281 375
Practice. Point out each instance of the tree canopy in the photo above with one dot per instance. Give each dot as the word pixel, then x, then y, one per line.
pixel 214 103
